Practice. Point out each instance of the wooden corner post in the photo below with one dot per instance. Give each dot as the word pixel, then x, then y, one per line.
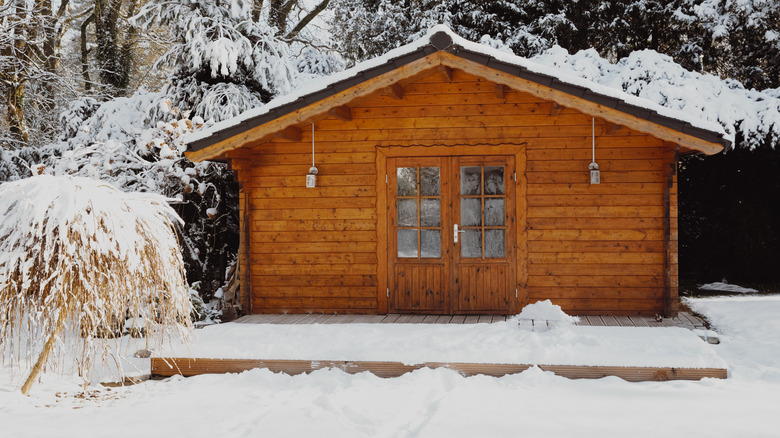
pixel 670 232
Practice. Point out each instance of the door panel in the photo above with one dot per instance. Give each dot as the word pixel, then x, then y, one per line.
pixel 484 263
pixel 418 209
pixel 451 247
pixel 483 289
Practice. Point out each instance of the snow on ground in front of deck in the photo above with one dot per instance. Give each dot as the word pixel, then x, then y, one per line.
pixel 431 403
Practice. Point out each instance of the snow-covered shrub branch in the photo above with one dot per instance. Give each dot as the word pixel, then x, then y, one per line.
pixel 80 254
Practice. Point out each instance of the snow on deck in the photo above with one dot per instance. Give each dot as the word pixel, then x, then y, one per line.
pixel 501 342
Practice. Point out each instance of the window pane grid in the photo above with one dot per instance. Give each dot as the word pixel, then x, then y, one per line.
pixel 484 230
pixel 420 237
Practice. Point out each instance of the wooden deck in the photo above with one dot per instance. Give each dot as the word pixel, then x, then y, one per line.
pixel 684 320
pixel 165 367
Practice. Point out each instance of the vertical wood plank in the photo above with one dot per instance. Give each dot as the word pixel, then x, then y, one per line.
pixel 521 226
pixel 381 232
pixel 670 296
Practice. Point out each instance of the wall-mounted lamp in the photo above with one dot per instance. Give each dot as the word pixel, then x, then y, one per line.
pixel 595 174
pixel 311 178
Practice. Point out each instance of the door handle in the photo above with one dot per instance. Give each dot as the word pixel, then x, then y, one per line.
pixel 457 231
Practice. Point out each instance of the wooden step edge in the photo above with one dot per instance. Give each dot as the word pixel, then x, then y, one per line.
pixel 187 367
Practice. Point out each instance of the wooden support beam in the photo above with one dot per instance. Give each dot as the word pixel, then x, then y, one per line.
pixel 613 128
pixel 445 72
pixel 396 91
pixel 342 112
pixel 500 90
pixel 291 133
pixel 555 109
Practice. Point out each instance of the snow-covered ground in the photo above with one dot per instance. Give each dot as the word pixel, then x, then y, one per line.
pixel 430 402
pixel 720 286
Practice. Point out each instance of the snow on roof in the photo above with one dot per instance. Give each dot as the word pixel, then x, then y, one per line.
pixel 201 137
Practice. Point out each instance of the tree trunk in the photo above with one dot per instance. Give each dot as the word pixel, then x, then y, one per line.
pixel 17 126
pixel 85 53
pixel 47 349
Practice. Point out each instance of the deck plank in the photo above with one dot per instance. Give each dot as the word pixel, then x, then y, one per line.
pixel 294 319
pixel 430 319
pixel 167 367
pixel 317 318
pixel 417 319
pixel 390 318
pixel 471 319
pixel 404 319
pixel 348 319
pixel 276 318
pixel 335 319
pixel 638 321
pixel 367 319
pixel 444 319
pixel 610 321
pixel 652 322
pixel 485 319
pixel 624 321
pixel 595 321
pixel 458 319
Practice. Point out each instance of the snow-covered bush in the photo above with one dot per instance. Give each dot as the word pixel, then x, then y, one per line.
pixel 116 143
pixel 78 254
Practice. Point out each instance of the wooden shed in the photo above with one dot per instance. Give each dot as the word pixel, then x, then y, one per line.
pixel 455 179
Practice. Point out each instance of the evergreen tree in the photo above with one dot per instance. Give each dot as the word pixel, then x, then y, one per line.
pixel 223 62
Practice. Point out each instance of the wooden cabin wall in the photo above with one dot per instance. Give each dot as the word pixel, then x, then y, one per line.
pixel 592 249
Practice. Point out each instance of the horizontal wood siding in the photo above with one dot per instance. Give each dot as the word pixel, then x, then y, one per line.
pixel 598 249
pixel 590 249
pixel 313 249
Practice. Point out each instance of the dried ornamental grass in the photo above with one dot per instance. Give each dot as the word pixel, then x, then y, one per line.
pixel 76 257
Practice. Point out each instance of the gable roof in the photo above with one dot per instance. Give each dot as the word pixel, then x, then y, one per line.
pixel 441 47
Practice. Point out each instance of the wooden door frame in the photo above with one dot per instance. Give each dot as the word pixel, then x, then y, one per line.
pixel 382 208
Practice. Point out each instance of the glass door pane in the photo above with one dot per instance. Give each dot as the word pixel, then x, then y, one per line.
pixel 482 211
pixel 418 211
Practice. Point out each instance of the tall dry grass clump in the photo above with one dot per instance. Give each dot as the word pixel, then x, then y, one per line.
pixel 78 256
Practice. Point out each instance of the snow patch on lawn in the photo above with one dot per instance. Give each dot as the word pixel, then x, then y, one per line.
pixel 725 287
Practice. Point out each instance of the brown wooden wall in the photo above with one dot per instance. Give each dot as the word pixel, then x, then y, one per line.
pixel 590 249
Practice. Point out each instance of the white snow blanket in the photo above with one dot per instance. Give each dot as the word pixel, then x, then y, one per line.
pixel 503 342
pixel 428 403
pixel 725 287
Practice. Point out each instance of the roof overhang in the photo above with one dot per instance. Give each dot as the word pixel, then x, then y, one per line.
pixel 442 51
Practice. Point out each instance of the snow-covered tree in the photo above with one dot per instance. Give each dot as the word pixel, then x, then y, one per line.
pixel 367 29
pixel 223 61
pixel 31 34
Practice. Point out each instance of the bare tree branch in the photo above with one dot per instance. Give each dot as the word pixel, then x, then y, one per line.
pixel 310 16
